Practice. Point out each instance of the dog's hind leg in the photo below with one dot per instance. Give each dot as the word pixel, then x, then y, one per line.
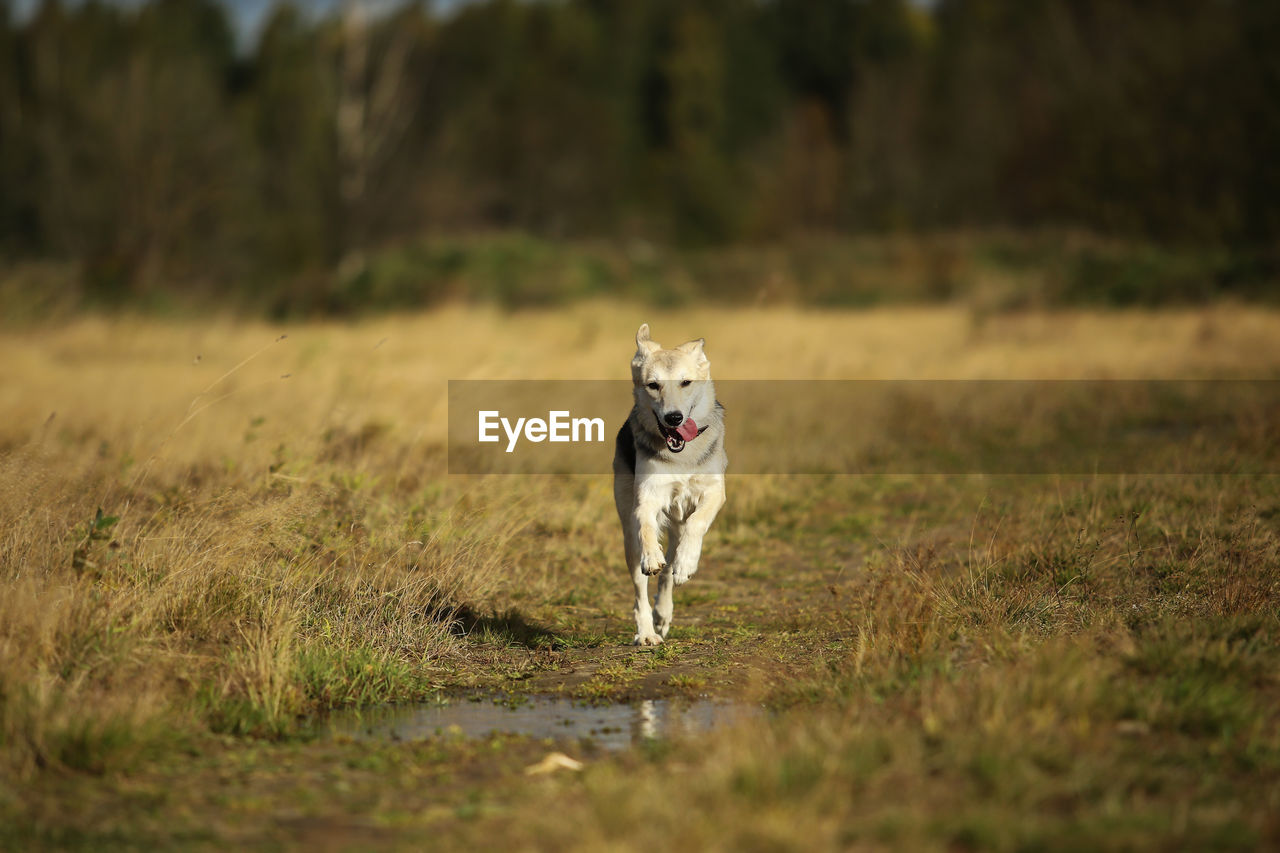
pixel 665 605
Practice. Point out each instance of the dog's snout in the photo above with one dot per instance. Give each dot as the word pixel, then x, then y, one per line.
pixel 674 418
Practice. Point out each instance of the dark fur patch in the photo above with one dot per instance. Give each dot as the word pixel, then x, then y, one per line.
pixel 625 446
pixel 711 449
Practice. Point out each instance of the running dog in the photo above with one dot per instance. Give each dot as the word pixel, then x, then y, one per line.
pixel 668 473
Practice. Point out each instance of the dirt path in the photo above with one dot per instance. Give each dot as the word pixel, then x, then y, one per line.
pixel 742 625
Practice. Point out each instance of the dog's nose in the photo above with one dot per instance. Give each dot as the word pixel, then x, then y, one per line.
pixel 674 418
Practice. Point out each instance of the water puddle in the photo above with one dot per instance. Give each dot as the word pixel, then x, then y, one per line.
pixel 611 727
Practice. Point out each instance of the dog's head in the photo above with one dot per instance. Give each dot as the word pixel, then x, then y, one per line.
pixel 674 385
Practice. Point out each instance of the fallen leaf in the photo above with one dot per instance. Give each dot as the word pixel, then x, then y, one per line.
pixel 553 762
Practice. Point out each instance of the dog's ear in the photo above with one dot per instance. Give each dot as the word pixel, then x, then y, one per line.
pixel 694 348
pixel 645 345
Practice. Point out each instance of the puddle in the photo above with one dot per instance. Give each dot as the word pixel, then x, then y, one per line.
pixel 612 727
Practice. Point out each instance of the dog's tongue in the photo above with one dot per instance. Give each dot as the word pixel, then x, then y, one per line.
pixel 688 430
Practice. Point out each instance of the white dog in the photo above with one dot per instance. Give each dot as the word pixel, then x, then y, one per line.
pixel 668 473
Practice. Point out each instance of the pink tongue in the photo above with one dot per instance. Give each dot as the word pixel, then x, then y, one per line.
pixel 688 430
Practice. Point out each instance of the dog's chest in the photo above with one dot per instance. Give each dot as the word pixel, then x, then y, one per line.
pixel 684 496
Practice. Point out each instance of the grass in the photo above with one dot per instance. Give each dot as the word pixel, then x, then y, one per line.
pixel 213 532
pixel 992 271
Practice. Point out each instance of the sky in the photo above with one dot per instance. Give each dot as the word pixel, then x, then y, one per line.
pixel 249 15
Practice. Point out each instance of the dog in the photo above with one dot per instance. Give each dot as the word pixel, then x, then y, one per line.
pixel 668 473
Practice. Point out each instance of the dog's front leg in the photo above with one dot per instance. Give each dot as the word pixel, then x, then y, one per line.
pixel 645 634
pixel 652 497
pixel 696 526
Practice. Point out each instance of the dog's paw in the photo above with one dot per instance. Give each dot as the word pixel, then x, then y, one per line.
pixel 661 624
pixel 681 574
pixel 652 565
pixel 647 640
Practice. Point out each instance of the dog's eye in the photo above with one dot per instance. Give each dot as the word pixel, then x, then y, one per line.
pixel 654 386
pixel 686 383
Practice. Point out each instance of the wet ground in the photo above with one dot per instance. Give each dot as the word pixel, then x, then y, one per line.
pixel 612 726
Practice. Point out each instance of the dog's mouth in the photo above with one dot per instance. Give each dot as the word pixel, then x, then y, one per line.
pixel 677 436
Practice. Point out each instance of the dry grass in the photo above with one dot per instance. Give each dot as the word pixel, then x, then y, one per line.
pixel 1037 661
pixel 1032 689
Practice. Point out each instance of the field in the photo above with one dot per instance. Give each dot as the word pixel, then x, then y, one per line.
pixel 214 532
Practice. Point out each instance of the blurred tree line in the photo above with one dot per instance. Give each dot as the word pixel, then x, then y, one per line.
pixel 149 147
